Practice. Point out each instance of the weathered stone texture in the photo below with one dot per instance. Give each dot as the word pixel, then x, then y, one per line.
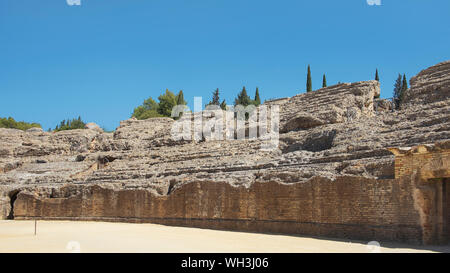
pixel 331 174
pixel 383 105
pixel 334 104
pixel 430 85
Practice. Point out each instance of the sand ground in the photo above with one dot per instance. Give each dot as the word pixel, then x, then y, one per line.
pixel 67 236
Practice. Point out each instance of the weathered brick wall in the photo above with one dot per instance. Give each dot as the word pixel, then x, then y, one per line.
pixel 349 207
pixel 429 162
pixel 427 167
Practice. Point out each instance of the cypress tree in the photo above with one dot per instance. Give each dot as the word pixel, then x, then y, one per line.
pixel 404 84
pixel 404 87
pixel 324 81
pixel 309 81
pixel 257 98
pixel 377 78
pixel 397 91
pixel 180 98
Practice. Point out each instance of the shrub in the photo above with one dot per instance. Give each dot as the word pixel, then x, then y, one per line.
pixel 21 125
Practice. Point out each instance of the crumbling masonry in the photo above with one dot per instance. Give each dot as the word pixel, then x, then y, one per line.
pixel 347 166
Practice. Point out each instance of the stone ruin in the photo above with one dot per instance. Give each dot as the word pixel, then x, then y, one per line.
pixel 347 166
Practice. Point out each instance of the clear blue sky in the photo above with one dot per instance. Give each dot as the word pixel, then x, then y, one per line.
pixel 103 58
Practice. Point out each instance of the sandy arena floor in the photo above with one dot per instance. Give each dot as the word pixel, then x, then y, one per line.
pixel 66 236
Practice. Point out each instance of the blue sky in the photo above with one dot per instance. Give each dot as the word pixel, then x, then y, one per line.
pixel 103 58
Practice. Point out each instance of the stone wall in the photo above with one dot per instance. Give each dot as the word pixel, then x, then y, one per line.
pixel 427 167
pixel 349 207
pixel 430 85
pixel 328 176
pixel 334 104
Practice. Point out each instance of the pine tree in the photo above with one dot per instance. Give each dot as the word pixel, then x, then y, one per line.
pixel 324 81
pixel 309 81
pixel 257 100
pixel 242 98
pixel 397 87
pixel 215 98
pixel 223 105
pixel 70 124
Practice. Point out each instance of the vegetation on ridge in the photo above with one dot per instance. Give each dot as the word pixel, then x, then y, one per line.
pixel 21 125
pixel 70 125
pixel 152 109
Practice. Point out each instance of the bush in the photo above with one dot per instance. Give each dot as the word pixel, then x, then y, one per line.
pixel 21 125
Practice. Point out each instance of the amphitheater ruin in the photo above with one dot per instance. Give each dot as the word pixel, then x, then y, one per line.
pixel 347 166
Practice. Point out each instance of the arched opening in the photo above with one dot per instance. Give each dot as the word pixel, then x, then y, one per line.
pixel 12 198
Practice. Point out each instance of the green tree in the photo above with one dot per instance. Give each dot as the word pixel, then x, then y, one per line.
pixel 152 109
pixel 223 105
pixel 141 113
pixel 397 87
pixel 404 86
pixel 70 124
pixel 166 102
pixel 242 98
pixel 397 93
pixel 150 104
pixel 180 98
pixel 215 98
pixel 308 80
pixel 324 81
pixel 257 100
pixel 149 109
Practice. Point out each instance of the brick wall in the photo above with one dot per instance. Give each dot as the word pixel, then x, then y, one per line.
pixel 349 207
pixel 430 163
pixel 413 207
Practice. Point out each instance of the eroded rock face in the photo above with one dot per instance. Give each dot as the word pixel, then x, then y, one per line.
pixel 327 134
pixel 334 104
pixel 430 85
pixel 93 126
pixel 383 105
